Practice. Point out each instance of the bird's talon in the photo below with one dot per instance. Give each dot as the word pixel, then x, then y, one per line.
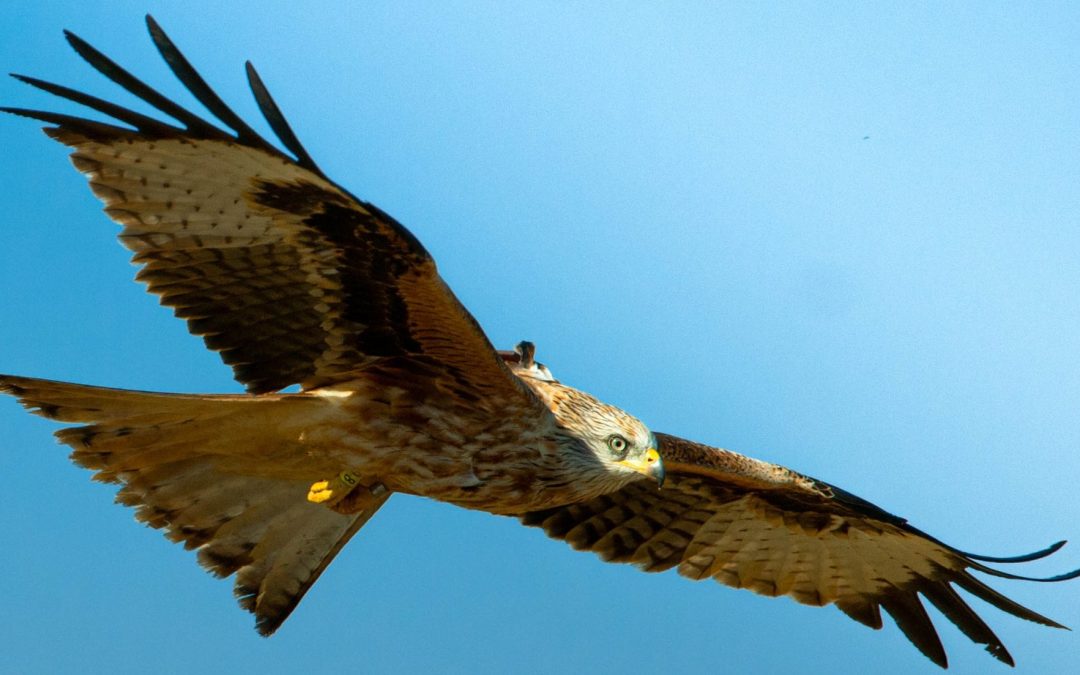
pixel 332 491
pixel 320 492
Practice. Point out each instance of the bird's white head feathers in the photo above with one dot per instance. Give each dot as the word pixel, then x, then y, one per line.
pixel 610 446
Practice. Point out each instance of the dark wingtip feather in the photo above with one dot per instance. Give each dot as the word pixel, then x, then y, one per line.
pixel 911 618
pixel 1026 557
pixel 186 73
pixel 980 590
pixel 1066 576
pixel 949 603
pixel 110 69
pixel 141 122
pixel 67 124
pixel 82 47
pixel 277 121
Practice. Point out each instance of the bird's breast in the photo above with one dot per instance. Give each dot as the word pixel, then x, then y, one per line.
pixel 502 463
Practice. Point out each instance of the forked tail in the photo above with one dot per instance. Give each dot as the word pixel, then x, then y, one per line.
pixel 223 474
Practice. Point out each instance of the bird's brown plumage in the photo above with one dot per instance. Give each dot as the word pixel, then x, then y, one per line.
pixel 295 281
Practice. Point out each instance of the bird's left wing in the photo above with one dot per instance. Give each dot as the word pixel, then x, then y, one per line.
pixel 755 525
pixel 282 271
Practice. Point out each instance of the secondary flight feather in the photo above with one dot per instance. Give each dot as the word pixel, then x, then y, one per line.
pixel 295 281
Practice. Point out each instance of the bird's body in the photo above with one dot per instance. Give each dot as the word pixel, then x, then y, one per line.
pixel 294 281
pixel 506 458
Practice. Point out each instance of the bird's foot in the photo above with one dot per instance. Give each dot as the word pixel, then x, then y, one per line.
pixel 330 492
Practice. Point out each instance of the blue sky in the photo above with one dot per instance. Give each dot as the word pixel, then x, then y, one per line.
pixel 842 240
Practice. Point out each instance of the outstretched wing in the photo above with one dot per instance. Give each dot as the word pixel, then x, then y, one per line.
pixel 287 275
pixel 755 525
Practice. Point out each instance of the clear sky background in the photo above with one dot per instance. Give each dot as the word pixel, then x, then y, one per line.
pixel 843 240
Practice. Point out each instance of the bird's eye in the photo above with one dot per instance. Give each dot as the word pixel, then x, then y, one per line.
pixel 618 446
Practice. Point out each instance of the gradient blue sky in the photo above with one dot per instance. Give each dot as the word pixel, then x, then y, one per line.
pixel 843 240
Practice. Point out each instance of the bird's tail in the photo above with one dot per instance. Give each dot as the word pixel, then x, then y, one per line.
pixel 222 474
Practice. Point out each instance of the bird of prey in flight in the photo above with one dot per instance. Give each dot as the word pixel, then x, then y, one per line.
pixel 294 281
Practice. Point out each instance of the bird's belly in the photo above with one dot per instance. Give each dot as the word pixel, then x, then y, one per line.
pixel 438 461
pixel 464 476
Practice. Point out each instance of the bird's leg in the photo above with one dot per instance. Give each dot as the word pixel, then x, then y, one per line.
pixel 333 490
pixel 344 494
pixel 360 499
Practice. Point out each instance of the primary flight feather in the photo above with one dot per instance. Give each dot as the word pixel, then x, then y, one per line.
pixel 294 281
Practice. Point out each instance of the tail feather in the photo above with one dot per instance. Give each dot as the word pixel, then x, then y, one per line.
pixel 222 474
pixel 70 402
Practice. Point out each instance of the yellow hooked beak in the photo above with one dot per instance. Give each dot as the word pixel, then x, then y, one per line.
pixel 649 465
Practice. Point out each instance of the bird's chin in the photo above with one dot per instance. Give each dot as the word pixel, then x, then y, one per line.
pixel 622 476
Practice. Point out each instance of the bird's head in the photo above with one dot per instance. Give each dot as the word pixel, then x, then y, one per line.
pixel 607 438
pixel 629 448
